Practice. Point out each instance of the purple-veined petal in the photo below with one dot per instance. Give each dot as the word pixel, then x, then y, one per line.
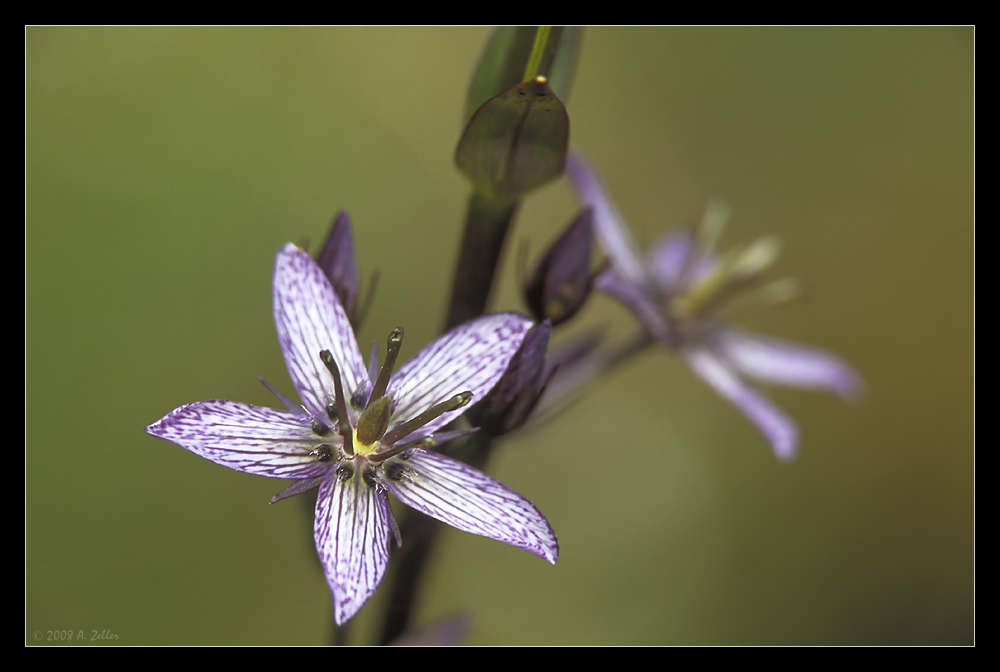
pixel 469 500
pixel 246 438
pixel 638 301
pixel 780 431
pixel 352 539
pixel 786 363
pixel 310 319
pixel 471 357
pixel 608 225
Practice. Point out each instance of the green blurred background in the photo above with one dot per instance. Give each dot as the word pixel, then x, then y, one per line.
pixel 165 167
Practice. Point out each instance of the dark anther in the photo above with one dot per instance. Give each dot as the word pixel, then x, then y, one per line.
pixel 320 428
pixel 358 400
pixel 345 471
pixel 331 412
pixel 323 453
pixel 395 471
pixel 369 476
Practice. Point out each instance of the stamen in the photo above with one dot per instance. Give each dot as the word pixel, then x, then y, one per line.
pixel 392 351
pixel 343 424
pixel 706 229
pixel 395 434
pixel 425 443
pixel 734 273
pixel 777 293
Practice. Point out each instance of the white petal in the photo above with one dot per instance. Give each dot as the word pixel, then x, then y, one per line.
pixel 786 363
pixel 310 319
pixel 469 500
pixel 471 357
pixel 780 431
pixel 352 539
pixel 608 225
pixel 246 438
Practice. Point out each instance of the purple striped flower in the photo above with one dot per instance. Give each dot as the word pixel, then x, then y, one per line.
pixel 677 291
pixel 362 431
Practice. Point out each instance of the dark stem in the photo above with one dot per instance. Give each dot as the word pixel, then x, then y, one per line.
pixel 419 533
pixel 482 243
pixel 486 226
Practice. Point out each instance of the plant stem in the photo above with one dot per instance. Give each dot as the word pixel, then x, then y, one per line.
pixel 482 243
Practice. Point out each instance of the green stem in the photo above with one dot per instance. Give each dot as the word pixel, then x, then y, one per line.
pixel 485 231
pixel 537 52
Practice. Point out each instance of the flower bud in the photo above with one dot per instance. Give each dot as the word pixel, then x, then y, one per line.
pixel 340 265
pixel 509 403
pixel 561 282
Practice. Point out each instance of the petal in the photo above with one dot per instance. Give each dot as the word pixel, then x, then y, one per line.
pixel 608 224
pixel 310 319
pixel 638 301
pixel 471 357
pixel 669 263
pixel 786 363
pixel 352 539
pixel 246 438
pixel 780 431
pixel 468 499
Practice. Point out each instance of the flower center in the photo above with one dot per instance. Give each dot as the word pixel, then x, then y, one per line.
pixel 371 438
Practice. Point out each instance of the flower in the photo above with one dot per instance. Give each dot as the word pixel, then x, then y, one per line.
pixel 676 292
pixel 356 439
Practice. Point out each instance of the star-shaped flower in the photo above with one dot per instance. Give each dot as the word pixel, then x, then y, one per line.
pixel 676 292
pixel 356 439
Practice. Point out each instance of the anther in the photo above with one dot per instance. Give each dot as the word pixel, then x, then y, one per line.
pixel 323 453
pixel 319 427
pixel 395 471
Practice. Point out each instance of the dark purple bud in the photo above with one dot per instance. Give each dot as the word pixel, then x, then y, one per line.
pixel 340 264
pixel 561 282
pixel 510 402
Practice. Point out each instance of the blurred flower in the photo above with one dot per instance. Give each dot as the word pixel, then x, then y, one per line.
pixel 379 435
pixel 676 293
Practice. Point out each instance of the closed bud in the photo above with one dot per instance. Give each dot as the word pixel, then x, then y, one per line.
pixel 340 265
pixel 561 282
pixel 513 398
